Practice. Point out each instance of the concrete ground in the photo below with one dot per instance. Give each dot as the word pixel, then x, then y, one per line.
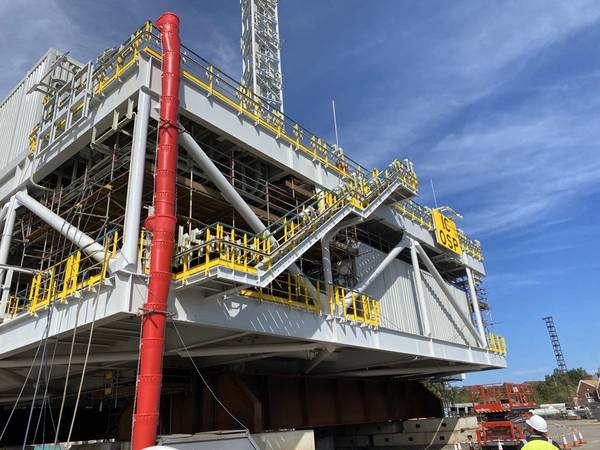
pixel 589 428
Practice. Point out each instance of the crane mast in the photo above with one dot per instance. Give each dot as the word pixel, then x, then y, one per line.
pixel 261 51
pixel 558 354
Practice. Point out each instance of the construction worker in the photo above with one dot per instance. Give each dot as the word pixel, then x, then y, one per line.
pixel 537 435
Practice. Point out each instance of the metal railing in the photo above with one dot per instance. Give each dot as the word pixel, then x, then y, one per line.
pixel 496 344
pixel 222 245
pixel 292 290
pixel 217 84
pixel 62 280
pixel 422 216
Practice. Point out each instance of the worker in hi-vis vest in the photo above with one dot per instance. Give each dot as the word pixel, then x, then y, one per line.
pixel 537 435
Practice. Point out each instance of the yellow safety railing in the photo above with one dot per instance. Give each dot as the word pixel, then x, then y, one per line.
pixel 13 306
pixel 118 64
pixel 219 85
pixel 422 216
pixel 63 279
pixel 223 245
pixel 496 344
pixel 292 290
pixel 353 305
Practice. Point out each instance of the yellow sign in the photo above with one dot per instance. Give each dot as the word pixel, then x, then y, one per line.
pixel 445 232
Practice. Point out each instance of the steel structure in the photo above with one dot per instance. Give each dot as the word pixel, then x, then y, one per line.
pixel 556 348
pixel 261 51
pixel 244 246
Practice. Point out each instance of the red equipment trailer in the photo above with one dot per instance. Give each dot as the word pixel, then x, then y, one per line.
pixel 502 409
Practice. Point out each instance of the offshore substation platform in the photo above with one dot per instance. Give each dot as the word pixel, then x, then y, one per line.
pixel 302 290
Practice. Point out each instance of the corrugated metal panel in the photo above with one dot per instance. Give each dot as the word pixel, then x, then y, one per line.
pixel 399 309
pixel 20 111
pixel 446 324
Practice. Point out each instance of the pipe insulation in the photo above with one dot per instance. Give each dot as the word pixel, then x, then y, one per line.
pixel 68 230
pixel 162 225
pixel 232 196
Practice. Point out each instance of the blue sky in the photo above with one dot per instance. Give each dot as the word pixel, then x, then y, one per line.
pixel 497 102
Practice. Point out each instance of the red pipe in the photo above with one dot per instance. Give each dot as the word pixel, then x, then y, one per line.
pixel 162 226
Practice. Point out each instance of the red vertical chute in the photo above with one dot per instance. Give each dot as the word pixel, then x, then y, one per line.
pixel 162 225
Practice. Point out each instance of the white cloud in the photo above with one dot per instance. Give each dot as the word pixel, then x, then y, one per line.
pixel 85 28
pixel 510 168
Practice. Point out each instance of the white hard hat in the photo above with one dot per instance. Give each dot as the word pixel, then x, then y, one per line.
pixel 537 423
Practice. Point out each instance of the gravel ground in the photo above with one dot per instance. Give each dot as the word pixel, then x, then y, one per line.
pixel 589 428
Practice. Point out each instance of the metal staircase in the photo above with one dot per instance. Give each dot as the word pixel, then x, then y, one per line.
pixel 220 252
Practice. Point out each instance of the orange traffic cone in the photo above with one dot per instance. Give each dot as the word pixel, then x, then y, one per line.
pixel 565 444
pixel 581 440
pixel 576 442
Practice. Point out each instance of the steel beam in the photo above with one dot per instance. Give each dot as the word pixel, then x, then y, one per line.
pixel 475 305
pixel 7 234
pixel 250 349
pixel 69 231
pixel 442 283
pixel 64 359
pixel 408 371
pixel 404 242
pixel 423 310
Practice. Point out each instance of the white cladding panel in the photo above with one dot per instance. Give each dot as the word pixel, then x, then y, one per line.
pixel 399 308
pixel 20 111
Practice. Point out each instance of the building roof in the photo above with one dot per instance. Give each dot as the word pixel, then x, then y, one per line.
pixel 592 383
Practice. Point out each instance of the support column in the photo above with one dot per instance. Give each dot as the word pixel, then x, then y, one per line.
pixel 423 311
pixel 131 227
pixel 327 274
pixel 7 233
pixel 475 305
pixel 326 259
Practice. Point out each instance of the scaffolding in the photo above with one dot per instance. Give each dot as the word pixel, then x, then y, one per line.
pixel 294 251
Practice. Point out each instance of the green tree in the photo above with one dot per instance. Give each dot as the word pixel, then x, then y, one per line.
pixel 559 387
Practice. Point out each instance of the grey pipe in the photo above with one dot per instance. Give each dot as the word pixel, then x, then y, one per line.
pixel 442 283
pixel 7 234
pixel 232 196
pixel 135 186
pixel 383 265
pixel 419 289
pixel 69 231
pixel 475 305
